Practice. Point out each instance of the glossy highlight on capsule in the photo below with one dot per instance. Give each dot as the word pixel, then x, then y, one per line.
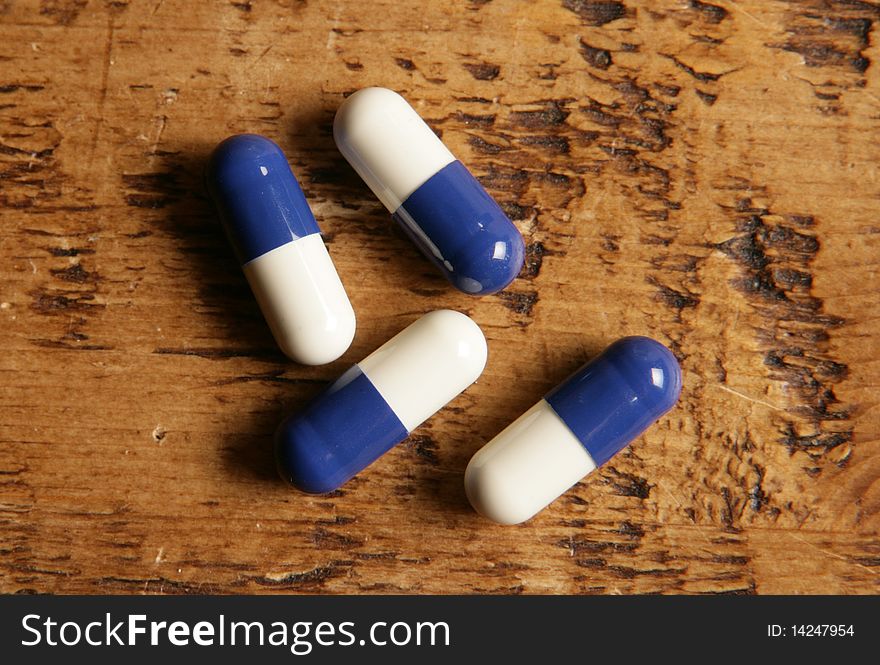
pixel 278 243
pixel 443 209
pixel 379 401
pixel 578 426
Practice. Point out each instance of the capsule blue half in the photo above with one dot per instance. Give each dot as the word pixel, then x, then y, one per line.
pixel 379 401
pixel 577 427
pixel 278 242
pixel 441 207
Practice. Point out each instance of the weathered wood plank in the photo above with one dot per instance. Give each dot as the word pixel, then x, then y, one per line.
pixel 702 173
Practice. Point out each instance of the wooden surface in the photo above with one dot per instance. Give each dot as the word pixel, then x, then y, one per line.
pixel 702 173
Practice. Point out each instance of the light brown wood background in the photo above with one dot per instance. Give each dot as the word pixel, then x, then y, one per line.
pixel 702 173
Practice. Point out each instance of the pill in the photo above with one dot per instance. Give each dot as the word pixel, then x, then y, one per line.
pixel 379 401
pixel 279 245
pixel 441 207
pixel 577 427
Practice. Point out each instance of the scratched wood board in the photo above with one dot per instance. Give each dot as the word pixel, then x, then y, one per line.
pixel 701 173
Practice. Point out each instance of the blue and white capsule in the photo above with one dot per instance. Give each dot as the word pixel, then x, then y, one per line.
pixel 379 401
pixel 441 207
pixel 279 245
pixel 577 427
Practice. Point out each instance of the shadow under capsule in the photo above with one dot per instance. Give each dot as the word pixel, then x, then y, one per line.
pixel 203 257
pixel 175 199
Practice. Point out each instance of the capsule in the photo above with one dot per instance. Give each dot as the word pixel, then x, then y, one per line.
pixel 442 208
pixel 578 426
pixel 379 401
pixel 279 245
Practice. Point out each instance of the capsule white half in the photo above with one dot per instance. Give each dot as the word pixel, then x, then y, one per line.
pixel 303 300
pixel 417 383
pixel 529 464
pixel 388 144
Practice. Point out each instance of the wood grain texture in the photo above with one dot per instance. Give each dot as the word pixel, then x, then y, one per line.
pixel 702 173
